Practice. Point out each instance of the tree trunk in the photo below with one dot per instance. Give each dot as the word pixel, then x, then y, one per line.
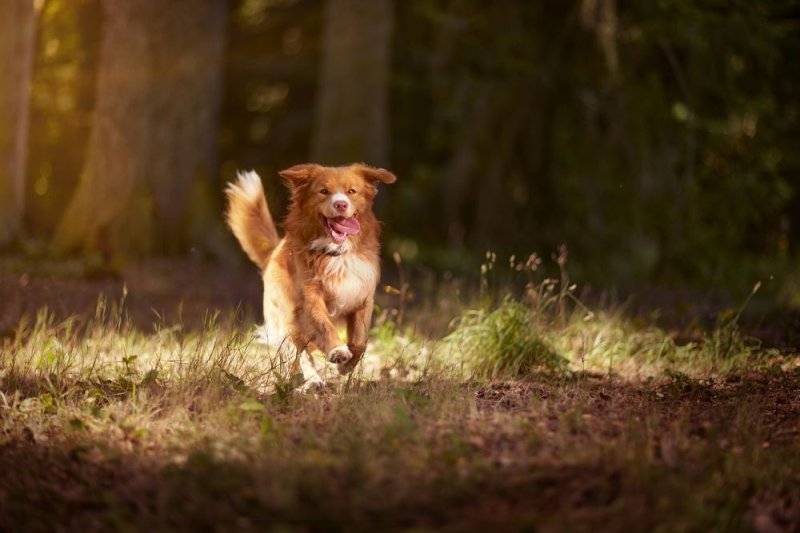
pixel 187 57
pixel 475 181
pixel 460 174
pixel 16 61
pixel 155 126
pixel 352 122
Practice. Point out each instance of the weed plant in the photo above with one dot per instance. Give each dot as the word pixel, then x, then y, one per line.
pixel 549 329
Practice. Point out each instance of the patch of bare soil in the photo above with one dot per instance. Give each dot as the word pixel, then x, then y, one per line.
pixel 584 454
pixel 705 422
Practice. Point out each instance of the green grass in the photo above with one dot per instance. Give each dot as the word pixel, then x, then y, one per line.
pixel 534 413
pixel 504 342
pixel 547 330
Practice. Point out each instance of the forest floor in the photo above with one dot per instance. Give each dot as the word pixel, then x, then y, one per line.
pixel 144 408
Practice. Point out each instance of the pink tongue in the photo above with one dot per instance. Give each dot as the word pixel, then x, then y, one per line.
pixel 348 226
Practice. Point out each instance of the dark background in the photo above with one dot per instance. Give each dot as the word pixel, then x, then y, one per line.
pixel 657 140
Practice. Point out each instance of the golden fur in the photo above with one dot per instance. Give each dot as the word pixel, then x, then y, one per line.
pixel 314 279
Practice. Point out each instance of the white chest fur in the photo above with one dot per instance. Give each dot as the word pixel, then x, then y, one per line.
pixel 349 279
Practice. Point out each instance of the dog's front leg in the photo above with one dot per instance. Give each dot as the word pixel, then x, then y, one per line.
pixel 357 329
pixel 304 363
pixel 323 333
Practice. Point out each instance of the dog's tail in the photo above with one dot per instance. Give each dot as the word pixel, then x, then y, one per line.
pixel 249 218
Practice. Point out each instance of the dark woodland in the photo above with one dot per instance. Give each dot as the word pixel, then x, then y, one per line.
pixel 589 309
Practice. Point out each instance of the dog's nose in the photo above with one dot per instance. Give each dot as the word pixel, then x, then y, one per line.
pixel 340 206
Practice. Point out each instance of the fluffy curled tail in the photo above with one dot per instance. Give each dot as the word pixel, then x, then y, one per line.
pixel 249 218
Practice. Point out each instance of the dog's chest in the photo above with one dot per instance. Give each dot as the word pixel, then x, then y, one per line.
pixel 349 279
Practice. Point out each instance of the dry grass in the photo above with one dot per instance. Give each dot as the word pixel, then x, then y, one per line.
pixel 607 425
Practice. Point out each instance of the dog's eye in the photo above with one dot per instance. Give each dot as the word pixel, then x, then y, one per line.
pixel 324 191
pixel 351 191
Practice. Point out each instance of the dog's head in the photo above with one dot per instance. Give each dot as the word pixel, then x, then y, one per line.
pixel 335 197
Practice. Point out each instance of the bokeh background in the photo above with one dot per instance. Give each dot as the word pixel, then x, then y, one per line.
pixel 660 141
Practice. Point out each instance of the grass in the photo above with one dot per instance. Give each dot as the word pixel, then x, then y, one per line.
pixel 504 342
pixel 548 329
pixel 532 413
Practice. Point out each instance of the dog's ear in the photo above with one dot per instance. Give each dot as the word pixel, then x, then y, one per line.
pixel 299 173
pixel 375 174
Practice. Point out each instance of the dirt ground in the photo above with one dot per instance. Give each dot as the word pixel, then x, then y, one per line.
pixel 585 452
pixel 585 455
pixel 156 290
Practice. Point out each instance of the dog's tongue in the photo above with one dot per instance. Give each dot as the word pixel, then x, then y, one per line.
pixel 348 226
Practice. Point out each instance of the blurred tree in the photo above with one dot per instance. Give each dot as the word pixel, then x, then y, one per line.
pixel 16 61
pixel 271 89
pixel 68 37
pixel 352 109
pixel 656 139
pixel 621 129
pixel 155 127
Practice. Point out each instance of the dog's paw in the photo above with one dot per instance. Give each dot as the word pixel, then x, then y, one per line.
pixel 312 385
pixel 350 364
pixel 340 354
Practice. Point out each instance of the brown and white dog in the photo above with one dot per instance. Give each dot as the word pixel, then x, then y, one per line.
pixel 323 272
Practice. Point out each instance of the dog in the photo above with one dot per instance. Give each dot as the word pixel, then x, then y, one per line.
pixel 323 273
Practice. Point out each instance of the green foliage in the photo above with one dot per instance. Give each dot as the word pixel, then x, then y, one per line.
pixel 619 129
pixel 504 342
pixel 285 388
pixel 550 329
pixel 656 138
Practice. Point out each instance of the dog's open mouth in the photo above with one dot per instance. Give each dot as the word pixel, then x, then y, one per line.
pixel 340 227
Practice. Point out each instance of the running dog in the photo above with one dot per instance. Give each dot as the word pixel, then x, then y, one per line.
pixel 323 273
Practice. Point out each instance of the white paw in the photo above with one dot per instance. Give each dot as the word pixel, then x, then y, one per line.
pixel 312 384
pixel 340 354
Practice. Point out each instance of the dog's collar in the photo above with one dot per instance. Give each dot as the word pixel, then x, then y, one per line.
pixel 325 247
